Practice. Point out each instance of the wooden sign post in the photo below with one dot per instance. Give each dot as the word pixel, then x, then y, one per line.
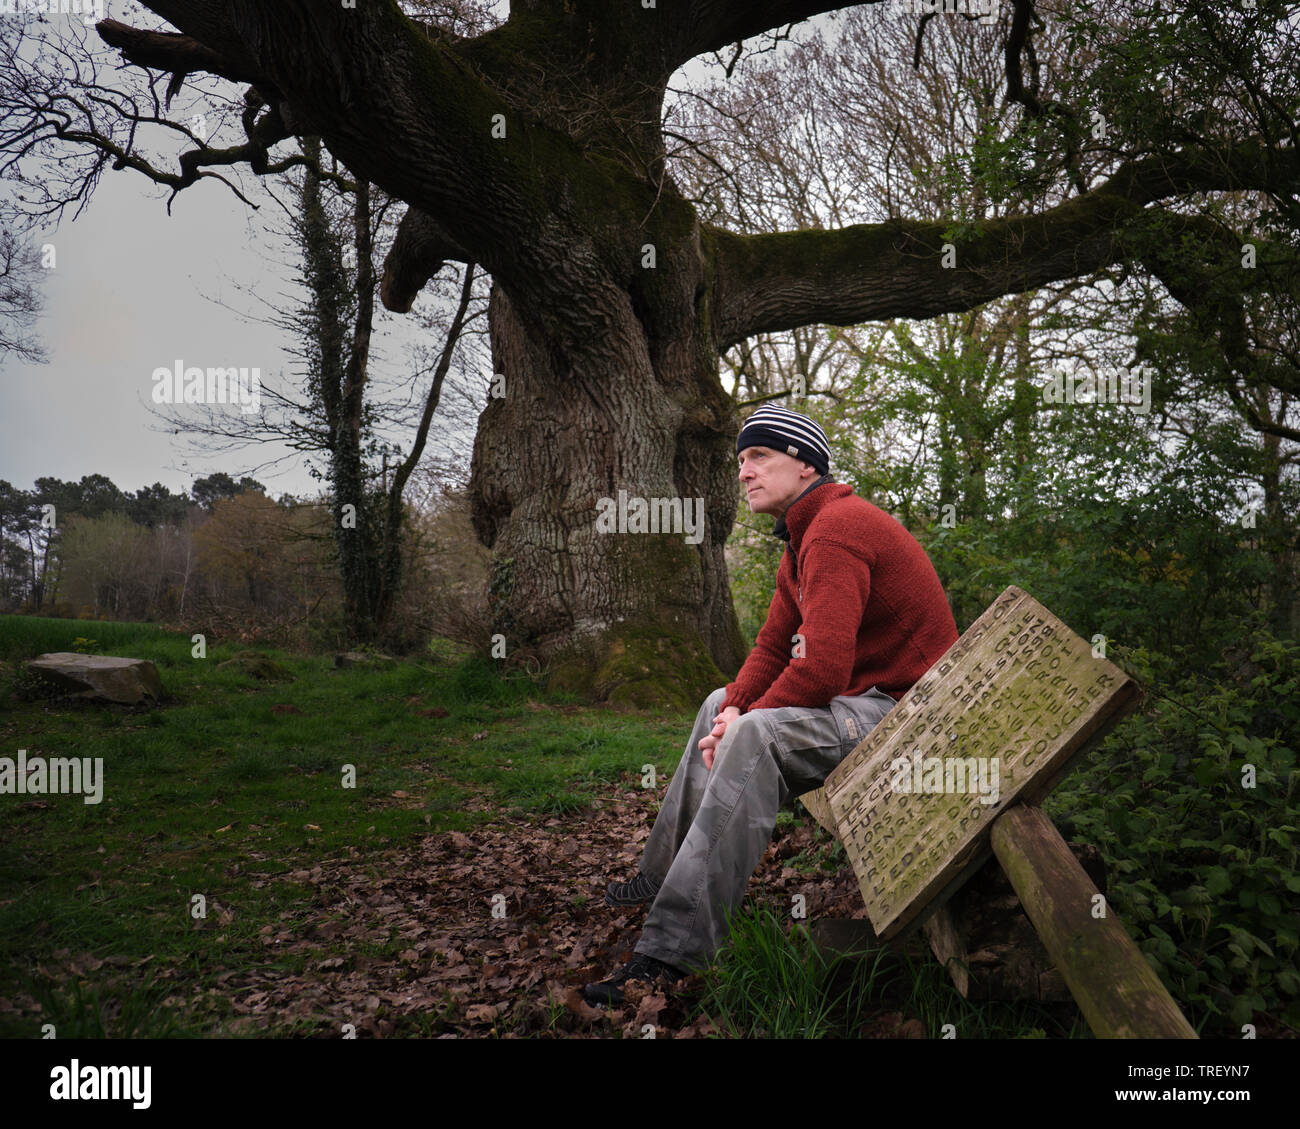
pixel 995 724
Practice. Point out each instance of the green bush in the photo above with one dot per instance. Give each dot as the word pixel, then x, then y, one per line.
pixel 1201 858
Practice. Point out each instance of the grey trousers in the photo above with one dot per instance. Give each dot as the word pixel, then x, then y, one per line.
pixel 714 826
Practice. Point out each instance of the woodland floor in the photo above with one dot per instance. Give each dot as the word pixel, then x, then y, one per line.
pixel 331 910
pixel 404 942
pixel 465 972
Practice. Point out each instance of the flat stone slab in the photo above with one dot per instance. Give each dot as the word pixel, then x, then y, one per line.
pixel 105 678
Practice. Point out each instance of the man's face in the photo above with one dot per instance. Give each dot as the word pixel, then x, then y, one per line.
pixel 772 479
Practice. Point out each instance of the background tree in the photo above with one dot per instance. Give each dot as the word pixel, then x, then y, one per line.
pixel 106 567
pixel 156 505
pixel 246 548
pixel 369 512
pixel 209 489
pixel 19 522
pixel 943 422
pixel 21 276
pixel 339 417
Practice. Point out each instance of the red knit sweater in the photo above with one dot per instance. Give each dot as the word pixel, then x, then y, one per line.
pixel 864 597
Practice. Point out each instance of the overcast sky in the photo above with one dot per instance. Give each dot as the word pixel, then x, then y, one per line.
pixel 127 295
pixel 132 291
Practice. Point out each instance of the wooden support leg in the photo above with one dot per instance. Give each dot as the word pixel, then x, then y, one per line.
pixel 1118 992
pixel 948 948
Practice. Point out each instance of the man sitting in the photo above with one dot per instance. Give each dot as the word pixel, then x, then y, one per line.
pixel 858 616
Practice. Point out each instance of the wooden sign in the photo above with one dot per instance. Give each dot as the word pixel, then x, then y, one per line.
pixel 996 721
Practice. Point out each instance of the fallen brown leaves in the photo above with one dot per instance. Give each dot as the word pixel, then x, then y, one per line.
pixel 494 931
pixel 490 932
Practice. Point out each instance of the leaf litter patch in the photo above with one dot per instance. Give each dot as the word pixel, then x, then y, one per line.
pixel 485 933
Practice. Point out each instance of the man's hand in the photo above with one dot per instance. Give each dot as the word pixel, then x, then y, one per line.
pixel 709 744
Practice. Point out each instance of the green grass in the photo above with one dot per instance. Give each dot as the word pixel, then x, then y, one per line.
pixel 77 1010
pixel 25 636
pixel 213 790
pixel 772 981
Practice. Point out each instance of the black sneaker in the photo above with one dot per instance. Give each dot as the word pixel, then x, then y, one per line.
pixel 640 889
pixel 638 968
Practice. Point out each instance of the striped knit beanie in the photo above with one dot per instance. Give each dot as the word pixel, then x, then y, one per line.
pixel 788 432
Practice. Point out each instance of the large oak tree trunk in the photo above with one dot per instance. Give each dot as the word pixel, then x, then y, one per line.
pixel 620 613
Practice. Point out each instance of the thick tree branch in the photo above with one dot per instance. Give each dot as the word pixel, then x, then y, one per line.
pixel 656 41
pixel 419 250
pixel 868 272
pixel 179 54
